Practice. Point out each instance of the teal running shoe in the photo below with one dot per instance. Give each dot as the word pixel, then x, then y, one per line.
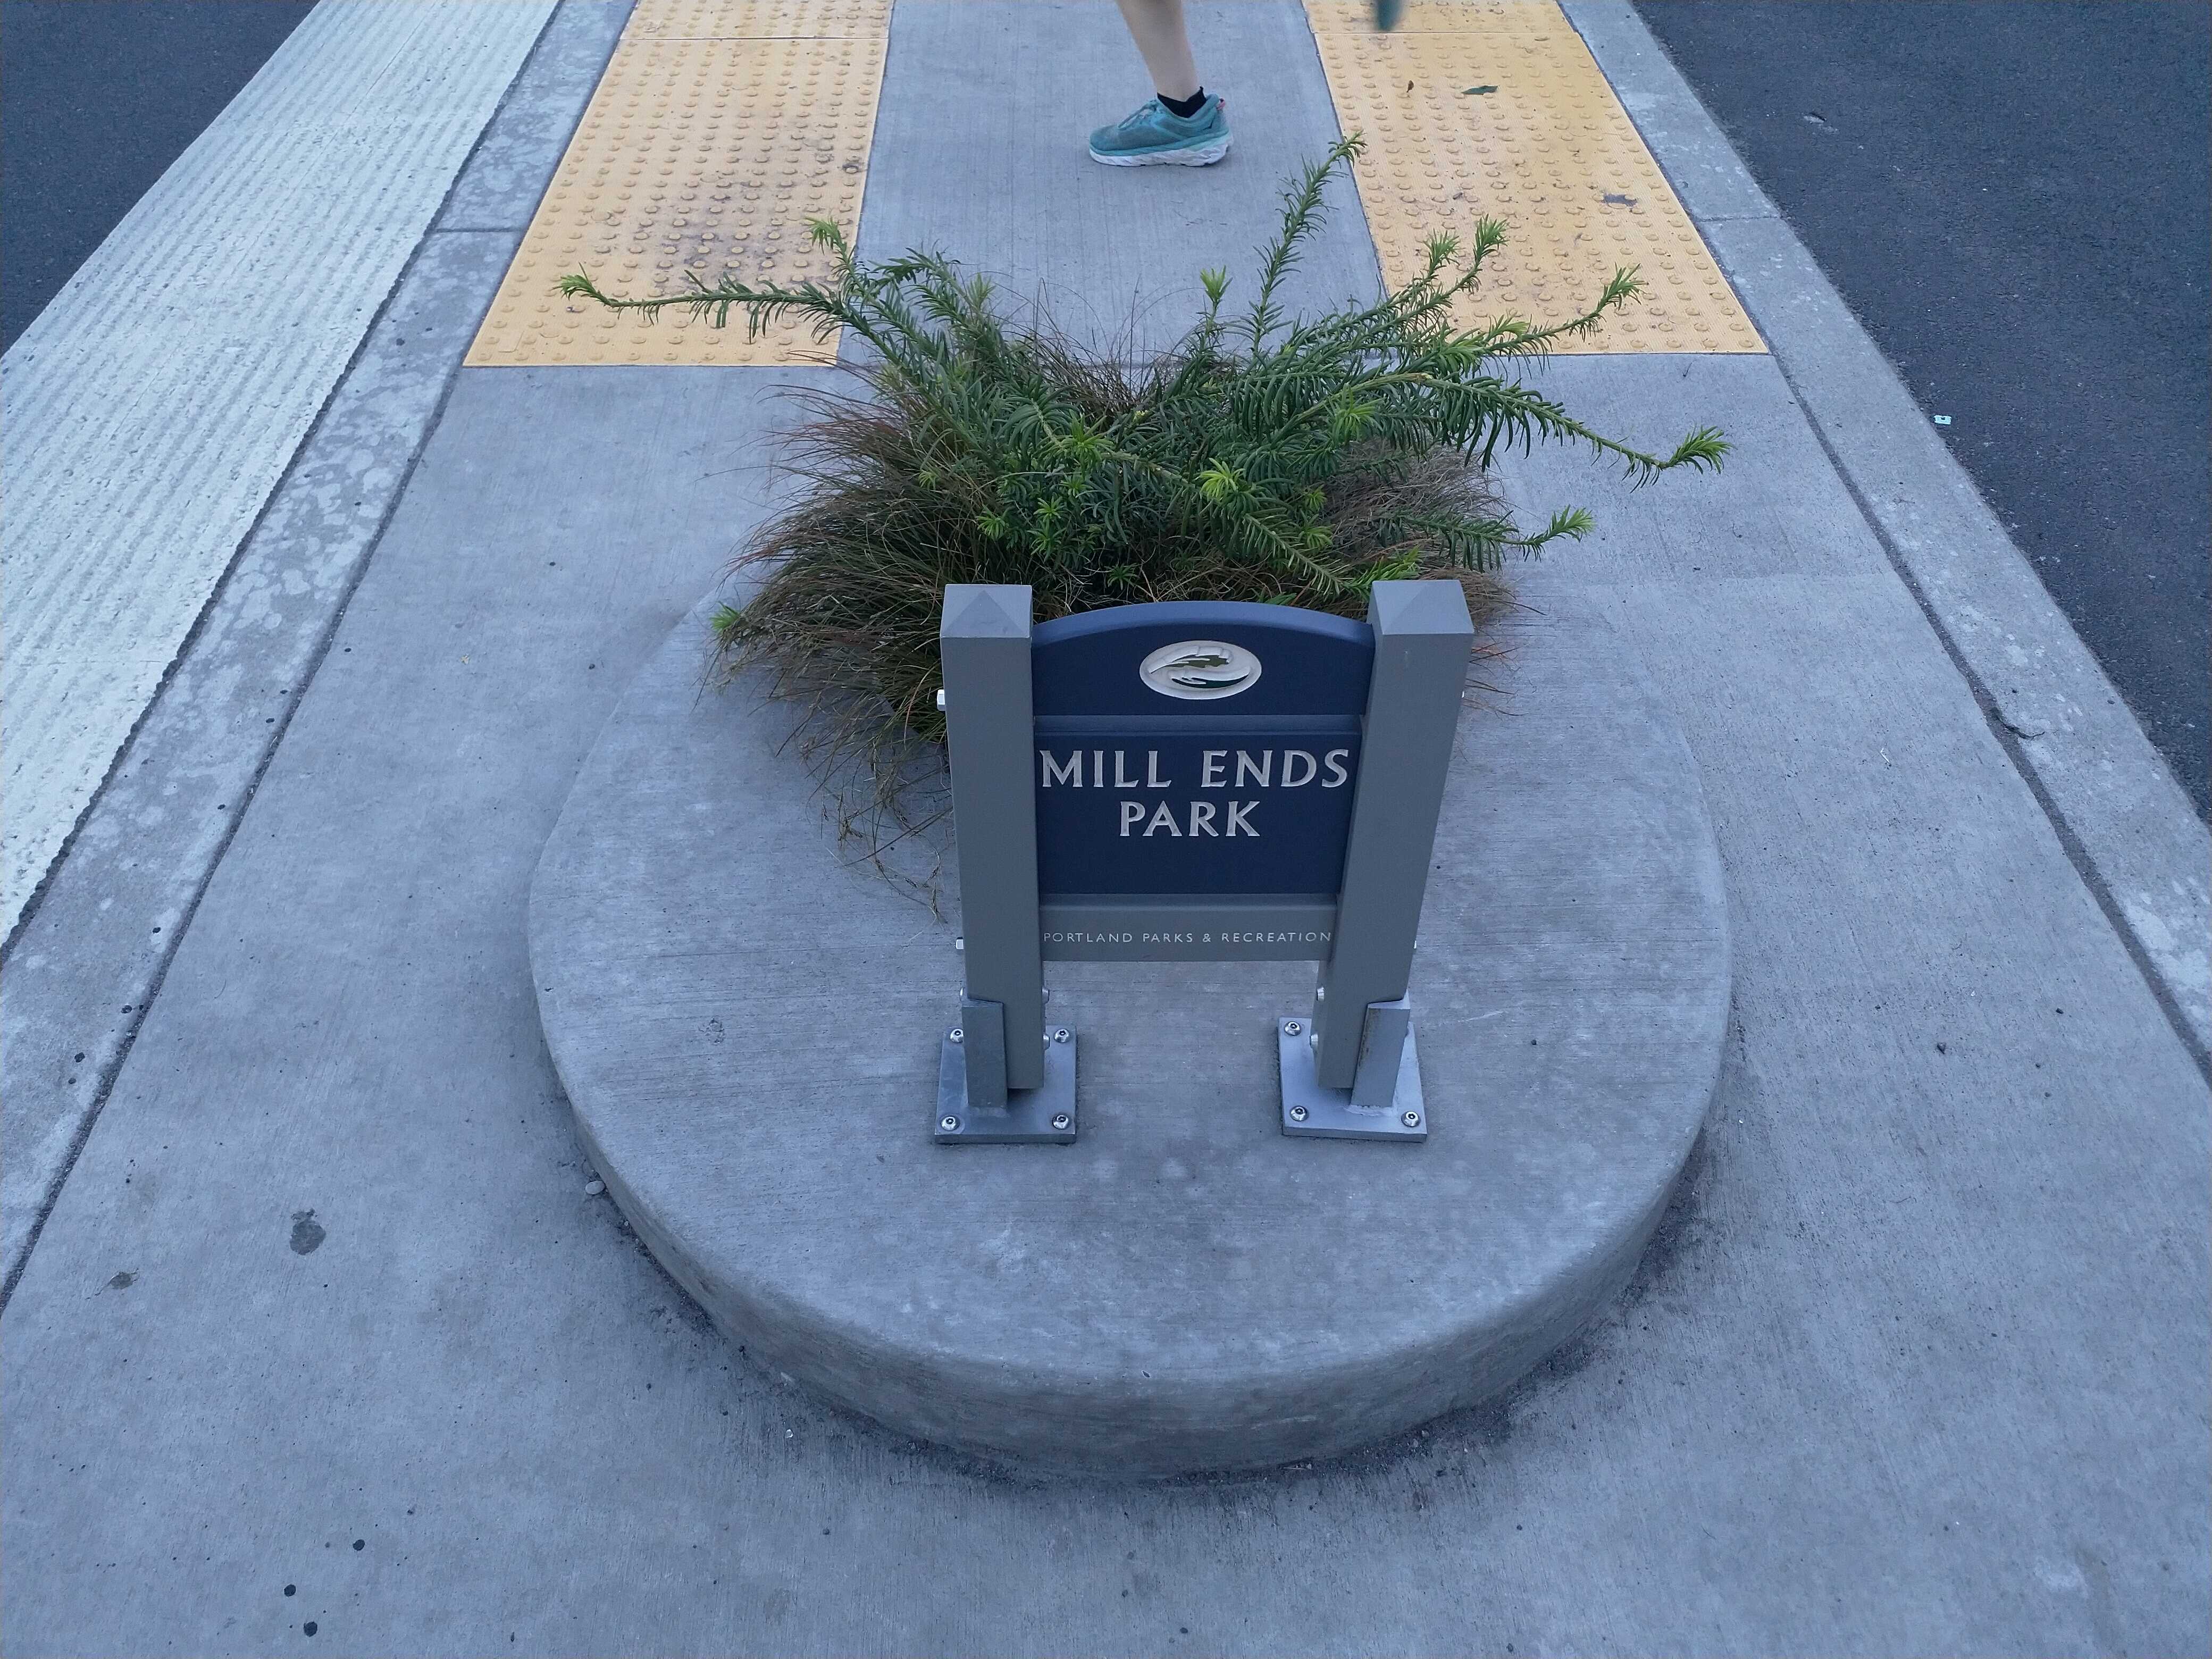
pixel 1386 14
pixel 1152 136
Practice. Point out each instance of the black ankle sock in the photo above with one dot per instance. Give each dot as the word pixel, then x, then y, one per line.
pixel 1186 108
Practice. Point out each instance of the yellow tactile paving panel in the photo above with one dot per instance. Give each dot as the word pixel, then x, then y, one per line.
pixel 1550 151
pixel 719 128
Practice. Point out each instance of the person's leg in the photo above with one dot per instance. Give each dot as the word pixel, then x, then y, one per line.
pixel 1181 126
pixel 1157 28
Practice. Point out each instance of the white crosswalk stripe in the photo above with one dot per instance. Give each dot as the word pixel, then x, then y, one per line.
pixel 153 406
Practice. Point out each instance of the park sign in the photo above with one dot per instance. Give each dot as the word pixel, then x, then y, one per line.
pixel 1194 792
pixel 1196 781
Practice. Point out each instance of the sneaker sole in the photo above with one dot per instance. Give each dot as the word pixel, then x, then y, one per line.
pixel 1195 156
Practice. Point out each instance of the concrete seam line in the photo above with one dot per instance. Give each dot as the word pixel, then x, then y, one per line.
pixel 1625 47
pixel 345 389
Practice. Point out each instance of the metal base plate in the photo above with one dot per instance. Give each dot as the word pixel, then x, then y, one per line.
pixel 1045 1113
pixel 1329 1114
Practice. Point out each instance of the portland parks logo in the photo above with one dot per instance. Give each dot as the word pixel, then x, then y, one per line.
pixel 1200 669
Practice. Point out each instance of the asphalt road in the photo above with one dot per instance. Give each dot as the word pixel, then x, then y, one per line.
pixel 97 98
pixel 2014 200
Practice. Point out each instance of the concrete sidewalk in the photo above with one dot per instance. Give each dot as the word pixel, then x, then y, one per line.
pixel 320 1326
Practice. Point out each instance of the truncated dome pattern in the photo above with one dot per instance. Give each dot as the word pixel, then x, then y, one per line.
pixel 1548 149
pixel 719 130
pixel 722 127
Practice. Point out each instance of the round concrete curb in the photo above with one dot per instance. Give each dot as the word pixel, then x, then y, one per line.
pixel 747 1023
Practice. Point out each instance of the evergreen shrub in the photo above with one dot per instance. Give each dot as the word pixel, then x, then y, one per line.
pixel 1263 457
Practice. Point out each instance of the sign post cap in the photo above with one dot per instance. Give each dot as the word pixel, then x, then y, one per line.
pixel 978 610
pixel 1432 606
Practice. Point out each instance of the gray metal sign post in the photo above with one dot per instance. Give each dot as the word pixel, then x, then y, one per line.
pixel 1361 1021
pixel 1211 782
pixel 1001 1076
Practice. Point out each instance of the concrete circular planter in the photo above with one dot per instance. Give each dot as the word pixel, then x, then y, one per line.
pixel 747 1020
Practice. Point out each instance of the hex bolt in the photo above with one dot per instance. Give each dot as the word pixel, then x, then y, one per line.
pixel 956 1033
pixel 1412 1120
pixel 1059 1035
pixel 1292 1028
pixel 948 1123
pixel 1061 1120
pixel 1298 1114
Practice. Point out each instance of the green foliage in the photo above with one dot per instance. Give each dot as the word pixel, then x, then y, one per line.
pixel 1288 460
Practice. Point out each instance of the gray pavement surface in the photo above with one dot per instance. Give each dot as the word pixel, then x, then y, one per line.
pixel 96 98
pixel 1115 264
pixel 1918 1362
pixel 2014 201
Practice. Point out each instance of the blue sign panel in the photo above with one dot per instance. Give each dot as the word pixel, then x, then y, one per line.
pixel 1197 749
